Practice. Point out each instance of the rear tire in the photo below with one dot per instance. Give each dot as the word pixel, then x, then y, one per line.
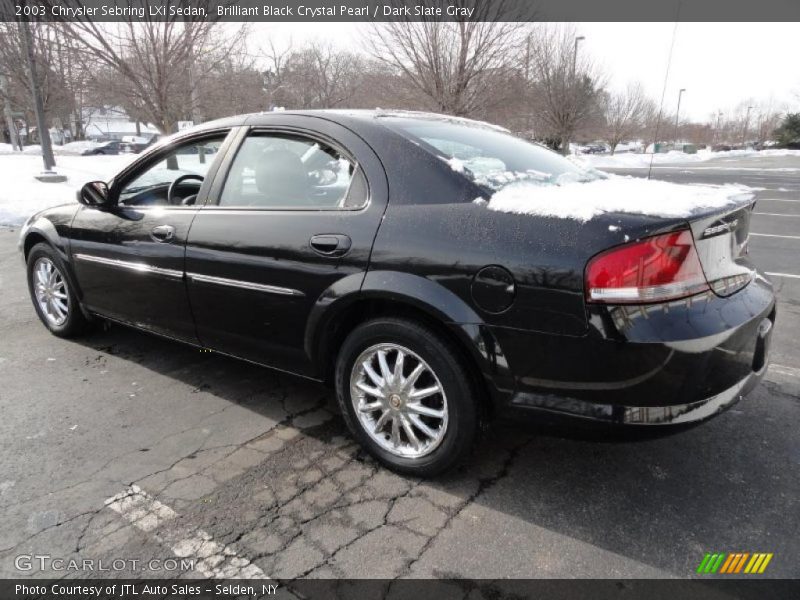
pixel 419 418
pixel 51 292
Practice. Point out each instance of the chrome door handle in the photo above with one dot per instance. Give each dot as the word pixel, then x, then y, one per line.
pixel 330 244
pixel 163 233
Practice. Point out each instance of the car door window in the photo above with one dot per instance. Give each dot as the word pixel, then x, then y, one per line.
pixel 282 171
pixel 149 187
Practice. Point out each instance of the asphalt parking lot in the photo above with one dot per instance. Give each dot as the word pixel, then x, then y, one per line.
pixel 124 446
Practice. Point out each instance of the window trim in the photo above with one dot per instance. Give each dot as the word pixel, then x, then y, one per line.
pixel 224 170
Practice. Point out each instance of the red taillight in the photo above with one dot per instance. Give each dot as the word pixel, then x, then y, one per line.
pixel 664 267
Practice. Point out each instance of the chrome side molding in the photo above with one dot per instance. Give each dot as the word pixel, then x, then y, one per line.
pixel 244 285
pixel 144 268
pixel 131 266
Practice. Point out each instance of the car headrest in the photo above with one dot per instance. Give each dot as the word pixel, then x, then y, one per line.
pixel 281 176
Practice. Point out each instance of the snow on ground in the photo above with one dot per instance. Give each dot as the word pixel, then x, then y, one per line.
pixel 642 161
pixel 73 148
pixel 582 201
pixel 21 194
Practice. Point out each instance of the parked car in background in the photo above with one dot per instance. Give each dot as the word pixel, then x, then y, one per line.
pixel 132 144
pixel 102 147
pixel 360 248
pixel 593 149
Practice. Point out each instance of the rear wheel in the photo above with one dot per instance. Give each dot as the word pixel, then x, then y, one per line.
pixel 52 296
pixel 407 396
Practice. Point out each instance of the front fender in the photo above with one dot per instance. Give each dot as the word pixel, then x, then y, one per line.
pixel 52 227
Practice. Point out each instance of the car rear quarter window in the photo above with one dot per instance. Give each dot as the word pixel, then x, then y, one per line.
pixel 489 156
pixel 278 171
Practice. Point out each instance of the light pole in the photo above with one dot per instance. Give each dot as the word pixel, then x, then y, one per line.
pixel 573 88
pixel 578 38
pixel 44 133
pixel 746 122
pixel 677 115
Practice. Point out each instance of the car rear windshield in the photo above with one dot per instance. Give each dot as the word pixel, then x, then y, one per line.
pixel 489 156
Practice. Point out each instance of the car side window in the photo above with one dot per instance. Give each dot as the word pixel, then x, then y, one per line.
pixel 284 171
pixel 150 186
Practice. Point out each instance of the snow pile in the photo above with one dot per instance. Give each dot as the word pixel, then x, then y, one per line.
pixel 75 148
pixel 582 201
pixel 21 194
pixel 642 161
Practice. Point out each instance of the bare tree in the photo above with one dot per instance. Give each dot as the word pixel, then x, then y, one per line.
pixel 275 84
pixel 449 62
pixel 233 87
pixel 50 80
pixel 766 120
pixel 626 113
pixel 318 76
pixel 157 67
pixel 565 84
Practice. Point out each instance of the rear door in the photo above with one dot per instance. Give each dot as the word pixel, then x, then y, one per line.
pixel 292 212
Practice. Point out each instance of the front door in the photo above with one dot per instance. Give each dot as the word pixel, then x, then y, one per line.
pixel 293 214
pixel 129 258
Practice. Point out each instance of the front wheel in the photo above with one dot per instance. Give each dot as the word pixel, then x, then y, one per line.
pixel 53 298
pixel 407 396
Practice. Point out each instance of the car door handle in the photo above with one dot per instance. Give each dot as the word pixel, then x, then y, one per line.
pixel 330 244
pixel 163 233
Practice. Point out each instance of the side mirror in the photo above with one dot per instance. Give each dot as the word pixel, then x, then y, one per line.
pixel 94 193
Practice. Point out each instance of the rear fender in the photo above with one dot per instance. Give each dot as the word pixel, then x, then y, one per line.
pixel 420 293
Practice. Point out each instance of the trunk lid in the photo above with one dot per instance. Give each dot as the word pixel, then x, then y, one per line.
pixel 721 237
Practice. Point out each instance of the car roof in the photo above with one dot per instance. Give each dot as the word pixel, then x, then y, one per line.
pixel 355 118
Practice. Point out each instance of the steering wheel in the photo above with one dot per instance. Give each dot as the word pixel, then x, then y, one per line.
pixel 189 200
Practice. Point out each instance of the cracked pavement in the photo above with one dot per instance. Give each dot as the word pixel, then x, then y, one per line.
pixel 121 445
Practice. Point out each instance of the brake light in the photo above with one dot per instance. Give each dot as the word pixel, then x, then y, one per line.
pixel 664 267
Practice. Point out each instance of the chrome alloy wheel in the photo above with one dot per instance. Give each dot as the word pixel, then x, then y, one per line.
pixel 51 291
pixel 402 407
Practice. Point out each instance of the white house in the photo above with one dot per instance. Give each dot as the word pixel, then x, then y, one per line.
pixel 114 123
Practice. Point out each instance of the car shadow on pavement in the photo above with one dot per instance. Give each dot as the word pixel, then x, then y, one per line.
pixel 535 500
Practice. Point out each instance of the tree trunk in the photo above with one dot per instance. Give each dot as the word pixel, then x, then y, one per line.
pixel 565 145
pixel 44 133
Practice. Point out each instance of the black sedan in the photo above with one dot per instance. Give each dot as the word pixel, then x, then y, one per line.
pixel 103 147
pixel 357 248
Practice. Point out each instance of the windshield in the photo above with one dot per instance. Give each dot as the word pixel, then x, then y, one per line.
pixel 489 156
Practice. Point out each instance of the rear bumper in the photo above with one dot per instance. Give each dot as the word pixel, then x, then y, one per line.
pixel 680 362
pixel 675 414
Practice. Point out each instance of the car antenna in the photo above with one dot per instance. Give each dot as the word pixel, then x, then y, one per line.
pixel 664 88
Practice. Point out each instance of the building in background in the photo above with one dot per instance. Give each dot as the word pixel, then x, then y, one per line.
pixel 111 123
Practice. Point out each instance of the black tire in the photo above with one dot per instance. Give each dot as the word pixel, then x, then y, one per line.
pixel 448 369
pixel 75 321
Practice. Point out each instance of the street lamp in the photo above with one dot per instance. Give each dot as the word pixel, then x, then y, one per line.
pixel 677 115
pixel 578 38
pixel 746 122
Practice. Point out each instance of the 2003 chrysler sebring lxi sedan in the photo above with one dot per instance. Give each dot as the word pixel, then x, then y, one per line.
pixel 367 249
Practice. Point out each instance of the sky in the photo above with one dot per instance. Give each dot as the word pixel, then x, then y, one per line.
pixel 722 66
